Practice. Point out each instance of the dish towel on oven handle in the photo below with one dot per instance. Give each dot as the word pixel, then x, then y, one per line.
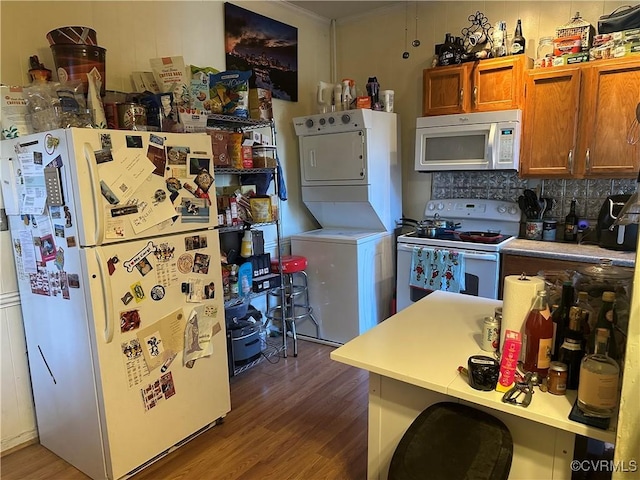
pixel 437 269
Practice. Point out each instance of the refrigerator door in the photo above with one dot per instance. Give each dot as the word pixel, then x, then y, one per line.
pixel 123 185
pixel 157 304
pixel 59 343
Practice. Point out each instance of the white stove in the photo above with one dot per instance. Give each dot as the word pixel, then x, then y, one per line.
pixel 485 227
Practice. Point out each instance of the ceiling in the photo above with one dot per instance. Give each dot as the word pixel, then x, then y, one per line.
pixel 334 9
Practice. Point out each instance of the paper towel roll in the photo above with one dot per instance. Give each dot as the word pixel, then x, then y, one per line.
pixel 518 296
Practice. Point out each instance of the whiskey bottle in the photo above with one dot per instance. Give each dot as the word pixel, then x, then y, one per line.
pixel 599 377
pixel 538 330
pixel 607 320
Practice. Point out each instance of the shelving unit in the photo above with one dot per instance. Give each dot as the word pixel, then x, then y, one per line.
pixel 243 125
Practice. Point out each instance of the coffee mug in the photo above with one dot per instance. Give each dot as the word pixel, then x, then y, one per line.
pixel 533 230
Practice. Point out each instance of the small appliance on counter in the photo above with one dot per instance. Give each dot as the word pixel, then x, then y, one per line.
pixel 611 235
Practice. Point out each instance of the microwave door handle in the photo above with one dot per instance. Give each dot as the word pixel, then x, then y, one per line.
pixel 491 146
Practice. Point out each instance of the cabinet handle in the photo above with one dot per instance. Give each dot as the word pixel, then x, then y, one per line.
pixel 588 159
pixel 475 95
pixel 461 96
pixel 571 161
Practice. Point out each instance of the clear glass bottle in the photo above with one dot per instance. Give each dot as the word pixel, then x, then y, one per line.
pixel 538 330
pixel 599 377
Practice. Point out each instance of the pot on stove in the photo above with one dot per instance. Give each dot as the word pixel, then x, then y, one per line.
pixel 428 228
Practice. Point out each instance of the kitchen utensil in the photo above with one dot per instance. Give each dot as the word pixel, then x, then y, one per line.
pixel 532 206
pixel 480 237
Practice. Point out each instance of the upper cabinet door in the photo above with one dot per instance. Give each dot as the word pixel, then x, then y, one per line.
pixel 498 83
pixel 446 90
pixel 550 124
pixel 609 108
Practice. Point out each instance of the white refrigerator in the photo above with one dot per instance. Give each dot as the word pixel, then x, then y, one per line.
pixel 118 268
pixel 350 280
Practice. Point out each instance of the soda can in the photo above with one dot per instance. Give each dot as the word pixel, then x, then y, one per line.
pixel 490 334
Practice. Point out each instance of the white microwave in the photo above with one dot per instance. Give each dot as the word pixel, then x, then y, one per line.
pixel 473 141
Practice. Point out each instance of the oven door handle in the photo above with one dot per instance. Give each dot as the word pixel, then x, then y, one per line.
pixel 489 256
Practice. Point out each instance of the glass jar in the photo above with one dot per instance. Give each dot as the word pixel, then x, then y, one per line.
pixel 545 47
pixel 557 378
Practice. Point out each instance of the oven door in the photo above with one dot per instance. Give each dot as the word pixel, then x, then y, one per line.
pixel 481 275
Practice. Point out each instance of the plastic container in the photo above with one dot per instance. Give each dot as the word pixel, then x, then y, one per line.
pixel 73 62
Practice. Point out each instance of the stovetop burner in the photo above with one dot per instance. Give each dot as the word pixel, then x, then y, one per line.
pixel 468 237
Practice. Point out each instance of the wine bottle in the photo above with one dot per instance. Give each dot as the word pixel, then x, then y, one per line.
pixel 560 318
pixel 571 352
pixel 606 319
pixel 599 377
pixel 447 52
pixel 538 330
pixel 518 42
pixel 571 223
pixel 587 316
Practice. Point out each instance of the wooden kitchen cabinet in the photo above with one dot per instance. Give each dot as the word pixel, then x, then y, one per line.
pixel 576 120
pixel 517 264
pixel 483 86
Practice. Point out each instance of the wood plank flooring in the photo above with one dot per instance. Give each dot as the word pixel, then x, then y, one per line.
pixel 301 418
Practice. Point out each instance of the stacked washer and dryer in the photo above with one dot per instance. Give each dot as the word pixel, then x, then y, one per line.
pixel 350 168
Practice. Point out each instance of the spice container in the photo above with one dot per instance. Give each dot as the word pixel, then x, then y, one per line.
pixel 557 378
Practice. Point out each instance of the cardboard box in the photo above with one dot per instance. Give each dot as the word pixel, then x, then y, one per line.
pixel 260 104
pixel 219 146
pixel 570 59
pixel 247 156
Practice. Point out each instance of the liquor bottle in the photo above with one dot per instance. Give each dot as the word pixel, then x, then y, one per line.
pixel 571 223
pixel 459 50
pixel 571 352
pixel 599 377
pixel 538 330
pixel 447 51
pixel 607 320
pixel 518 42
pixel 500 40
pixel 560 318
pixel 587 316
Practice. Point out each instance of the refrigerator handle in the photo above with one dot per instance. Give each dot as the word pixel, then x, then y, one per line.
pixel 98 211
pixel 106 297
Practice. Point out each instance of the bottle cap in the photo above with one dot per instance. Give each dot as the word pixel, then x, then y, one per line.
pixel 608 296
pixel 558 366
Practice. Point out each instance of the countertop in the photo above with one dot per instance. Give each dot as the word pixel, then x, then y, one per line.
pixel 424 344
pixel 568 251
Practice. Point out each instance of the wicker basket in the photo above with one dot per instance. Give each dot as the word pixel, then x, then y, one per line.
pixel 577 26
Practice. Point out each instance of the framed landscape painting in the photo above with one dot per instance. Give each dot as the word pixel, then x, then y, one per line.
pixel 267 47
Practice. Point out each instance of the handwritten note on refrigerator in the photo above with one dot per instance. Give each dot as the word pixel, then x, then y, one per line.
pixel 129 169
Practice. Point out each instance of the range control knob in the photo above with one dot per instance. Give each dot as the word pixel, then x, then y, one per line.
pixel 346 118
pixel 440 206
pixel 309 123
pixel 431 206
pixel 502 209
pixel 322 121
pixel 332 120
pixel 512 210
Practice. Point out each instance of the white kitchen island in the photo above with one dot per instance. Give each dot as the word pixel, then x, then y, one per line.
pixel 413 357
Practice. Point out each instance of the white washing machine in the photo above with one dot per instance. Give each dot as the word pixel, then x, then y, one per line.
pixel 351 280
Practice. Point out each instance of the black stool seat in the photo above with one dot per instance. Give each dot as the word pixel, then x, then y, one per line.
pixel 451 441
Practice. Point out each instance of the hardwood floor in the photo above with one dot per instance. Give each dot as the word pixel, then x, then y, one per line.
pixel 298 419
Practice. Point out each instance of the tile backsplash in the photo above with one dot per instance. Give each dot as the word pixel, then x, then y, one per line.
pixel 505 185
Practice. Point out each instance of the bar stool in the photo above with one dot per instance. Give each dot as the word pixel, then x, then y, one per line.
pixel 296 297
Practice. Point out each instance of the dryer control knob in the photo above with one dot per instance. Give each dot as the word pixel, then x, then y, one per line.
pixel 346 118
pixel 332 120
pixel 309 123
pixel 322 121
